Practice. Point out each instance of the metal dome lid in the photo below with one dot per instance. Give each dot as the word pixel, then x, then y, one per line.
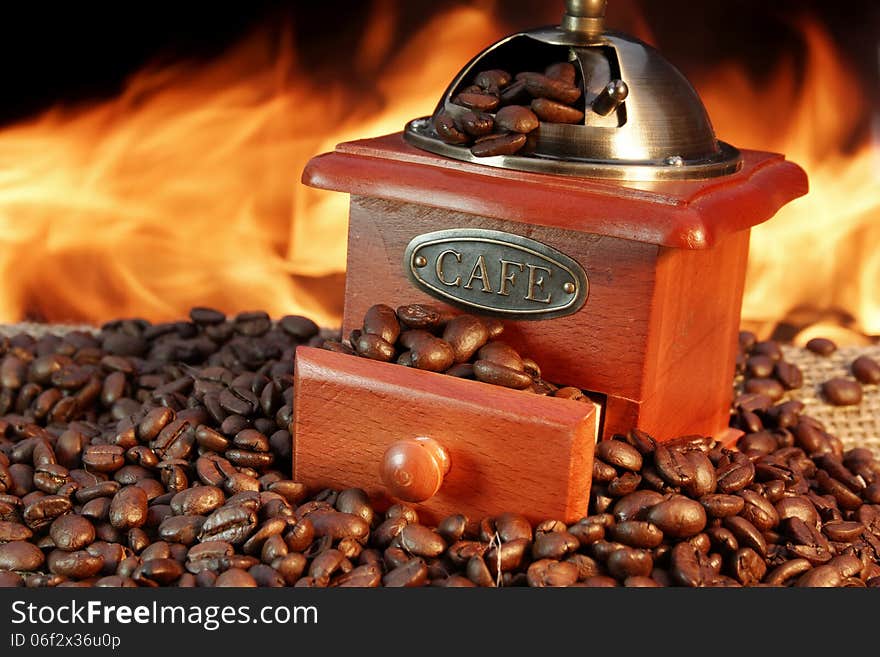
pixel 576 100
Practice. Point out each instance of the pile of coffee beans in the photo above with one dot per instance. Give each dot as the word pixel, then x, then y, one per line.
pixel 502 110
pixel 465 346
pixel 766 371
pixel 159 455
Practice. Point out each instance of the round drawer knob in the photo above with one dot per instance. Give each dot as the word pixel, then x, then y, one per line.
pixel 413 469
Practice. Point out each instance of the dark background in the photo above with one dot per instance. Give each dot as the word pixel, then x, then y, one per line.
pixel 76 52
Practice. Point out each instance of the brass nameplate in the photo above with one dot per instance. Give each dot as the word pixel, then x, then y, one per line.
pixel 496 272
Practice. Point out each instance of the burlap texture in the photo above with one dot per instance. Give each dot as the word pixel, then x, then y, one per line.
pixel 856 426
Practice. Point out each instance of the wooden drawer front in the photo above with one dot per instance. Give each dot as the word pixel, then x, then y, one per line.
pixel 510 450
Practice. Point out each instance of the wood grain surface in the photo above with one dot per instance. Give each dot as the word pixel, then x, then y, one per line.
pixel 682 214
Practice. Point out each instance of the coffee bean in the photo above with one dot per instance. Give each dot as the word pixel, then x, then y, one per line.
pixel 678 517
pixel 493 79
pixel 719 505
pixel 637 533
pixel 208 316
pixel 78 565
pixel 356 502
pixel 629 562
pixel 500 145
pixel 789 375
pixel 113 388
pixel 427 352
pixel 412 573
pixel 103 458
pixel 211 439
pixel 842 392
pixel 374 347
pixel 265 576
pixel 821 346
pixel 788 465
pixel 338 525
pixel 769 348
pixel 553 112
pixel 516 118
pixel 746 533
pixel 381 320
pixel 541 86
pixel 553 545
pixel 200 500
pixel 476 124
pixel 300 328
pixel 515 93
pixel 512 526
pixel 128 508
pixel 635 505
pixel 624 484
pixel 704 480
pixel 13 531
pixel 50 477
pixel 366 576
pixel 239 401
pixel 271 527
pixel 843 531
pixel 602 472
pixel 797 506
pixel 40 513
pixel 325 565
pixel 421 541
pixel 547 572
pixel 420 316
pixel 490 372
pixel 619 454
pixel 160 571
pixel 9 579
pixel 72 532
pixel 235 578
pixel 337 347
pixel 866 370
pixel 232 523
pixel 477 101
pixel 674 466
pixel 758 510
pixel 253 323
pixel 735 476
pixel 821 576
pixel 20 555
pixel 465 334
pixel 689 566
pixel 768 387
pixel 843 495
pixel 787 571
pixel 748 566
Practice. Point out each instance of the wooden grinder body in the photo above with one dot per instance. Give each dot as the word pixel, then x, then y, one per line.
pixel 665 261
pixel 655 341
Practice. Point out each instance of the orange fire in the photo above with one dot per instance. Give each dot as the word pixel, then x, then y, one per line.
pixel 185 189
pixel 822 252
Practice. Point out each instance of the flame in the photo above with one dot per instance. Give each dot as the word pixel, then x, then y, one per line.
pixel 820 253
pixel 185 189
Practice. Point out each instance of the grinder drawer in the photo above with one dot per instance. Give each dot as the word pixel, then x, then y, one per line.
pixel 506 450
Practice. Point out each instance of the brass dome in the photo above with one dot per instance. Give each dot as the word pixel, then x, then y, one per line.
pixel 643 120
